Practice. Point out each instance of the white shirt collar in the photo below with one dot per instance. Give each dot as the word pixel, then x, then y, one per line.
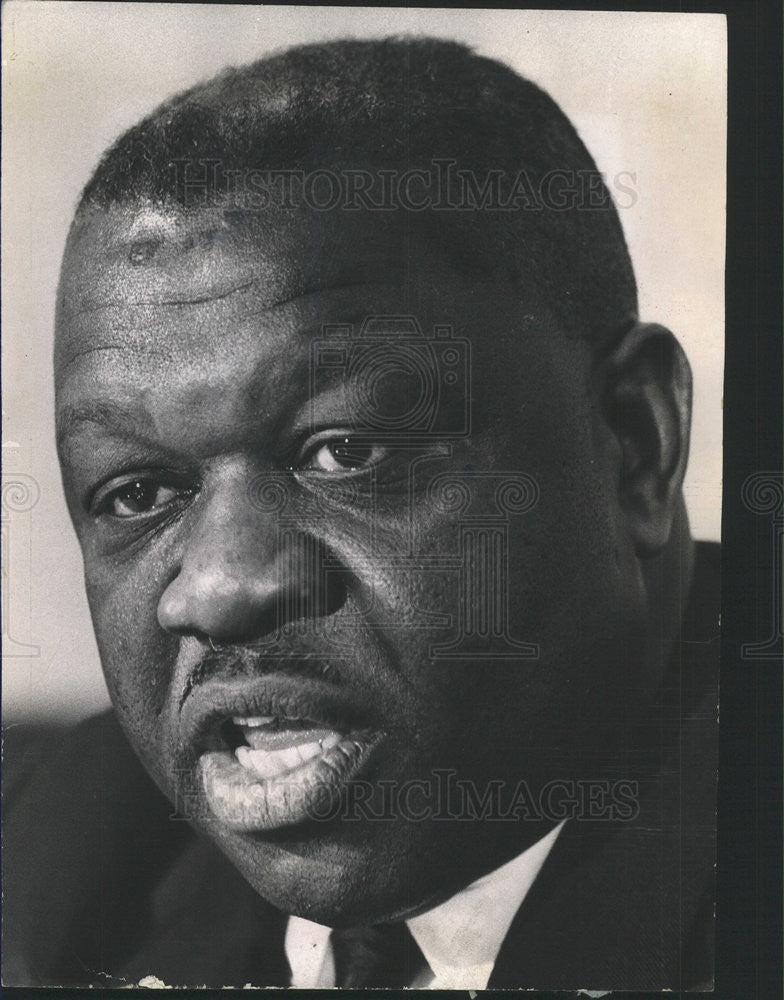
pixel 309 954
pixel 460 938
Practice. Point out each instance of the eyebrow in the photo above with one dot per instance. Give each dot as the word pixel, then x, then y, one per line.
pixel 123 421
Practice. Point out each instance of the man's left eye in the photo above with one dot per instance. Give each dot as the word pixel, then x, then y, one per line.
pixel 344 455
pixel 135 497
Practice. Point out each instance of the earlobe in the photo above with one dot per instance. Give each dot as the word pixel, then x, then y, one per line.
pixel 646 389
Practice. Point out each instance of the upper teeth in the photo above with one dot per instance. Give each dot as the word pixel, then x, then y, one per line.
pixel 254 720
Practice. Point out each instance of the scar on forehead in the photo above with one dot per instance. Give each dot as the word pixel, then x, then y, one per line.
pixel 142 251
pixel 148 231
pixel 144 248
pixel 151 229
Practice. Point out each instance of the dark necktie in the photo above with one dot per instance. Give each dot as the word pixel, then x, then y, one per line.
pixel 380 957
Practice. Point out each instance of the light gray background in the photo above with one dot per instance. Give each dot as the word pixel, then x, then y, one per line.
pixel 646 91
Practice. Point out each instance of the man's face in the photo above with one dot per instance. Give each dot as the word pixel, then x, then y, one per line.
pixel 275 543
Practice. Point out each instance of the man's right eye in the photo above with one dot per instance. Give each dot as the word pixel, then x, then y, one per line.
pixel 134 497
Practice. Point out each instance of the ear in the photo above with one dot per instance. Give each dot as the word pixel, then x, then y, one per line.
pixel 646 394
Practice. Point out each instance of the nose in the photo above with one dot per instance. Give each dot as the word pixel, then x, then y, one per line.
pixel 243 574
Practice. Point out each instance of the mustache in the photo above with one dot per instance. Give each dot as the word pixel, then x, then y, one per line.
pixel 246 661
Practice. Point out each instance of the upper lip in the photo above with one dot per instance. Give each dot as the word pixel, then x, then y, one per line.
pixel 217 700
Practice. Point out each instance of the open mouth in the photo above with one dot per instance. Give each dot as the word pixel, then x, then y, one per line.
pixel 272 747
pixel 264 772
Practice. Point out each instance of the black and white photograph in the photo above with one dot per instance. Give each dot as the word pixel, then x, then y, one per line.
pixel 362 497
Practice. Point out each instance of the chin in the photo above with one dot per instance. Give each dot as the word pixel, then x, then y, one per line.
pixel 328 879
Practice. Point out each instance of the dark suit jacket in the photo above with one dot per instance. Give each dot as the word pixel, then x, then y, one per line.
pixel 103 887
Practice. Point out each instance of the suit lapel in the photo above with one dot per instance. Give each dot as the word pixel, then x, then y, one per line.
pixel 207 926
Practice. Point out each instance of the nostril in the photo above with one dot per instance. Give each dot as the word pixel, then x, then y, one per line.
pixel 335 593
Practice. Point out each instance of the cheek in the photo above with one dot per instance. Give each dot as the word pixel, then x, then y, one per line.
pixel 573 594
pixel 136 654
pixel 566 551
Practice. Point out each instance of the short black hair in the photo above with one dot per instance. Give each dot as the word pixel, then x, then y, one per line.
pixel 400 102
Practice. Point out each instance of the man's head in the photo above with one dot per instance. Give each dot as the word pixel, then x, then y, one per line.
pixel 385 496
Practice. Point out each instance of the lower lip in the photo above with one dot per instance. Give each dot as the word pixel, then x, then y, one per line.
pixel 311 792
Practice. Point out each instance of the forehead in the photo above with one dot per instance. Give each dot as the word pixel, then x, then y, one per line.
pixel 159 298
pixel 131 256
pixel 128 262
